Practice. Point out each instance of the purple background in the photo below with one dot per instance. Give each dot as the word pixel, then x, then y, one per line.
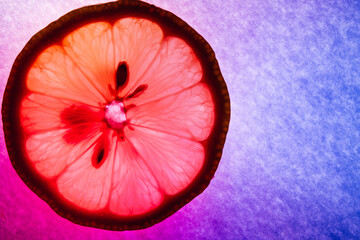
pixel 291 163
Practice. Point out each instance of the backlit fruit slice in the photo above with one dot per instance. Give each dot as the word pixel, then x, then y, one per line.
pixel 116 115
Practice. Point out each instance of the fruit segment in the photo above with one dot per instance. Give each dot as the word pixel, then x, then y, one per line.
pixel 92 50
pixel 55 74
pixel 174 68
pixel 172 160
pixel 136 42
pixel 40 112
pixel 135 189
pixel 188 114
pixel 86 186
pixel 51 153
pixel 59 131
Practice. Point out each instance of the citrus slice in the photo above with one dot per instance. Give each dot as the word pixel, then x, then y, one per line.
pixel 116 115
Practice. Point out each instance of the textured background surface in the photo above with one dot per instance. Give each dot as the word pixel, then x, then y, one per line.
pixel 291 163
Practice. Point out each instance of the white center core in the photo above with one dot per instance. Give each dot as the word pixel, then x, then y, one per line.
pixel 115 114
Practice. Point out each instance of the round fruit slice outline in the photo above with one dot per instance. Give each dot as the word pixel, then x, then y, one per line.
pixel 116 115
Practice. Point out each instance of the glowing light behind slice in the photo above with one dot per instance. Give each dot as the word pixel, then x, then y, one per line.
pixel 174 68
pixel 135 189
pixel 86 186
pixel 136 41
pixel 188 114
pixel 54 74
pixel 172 160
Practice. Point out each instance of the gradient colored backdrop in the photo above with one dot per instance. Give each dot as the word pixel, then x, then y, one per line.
pixel 291 162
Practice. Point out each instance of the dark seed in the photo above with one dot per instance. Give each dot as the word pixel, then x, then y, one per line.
pixel 139 90
pixel 122 74
pixel 100 156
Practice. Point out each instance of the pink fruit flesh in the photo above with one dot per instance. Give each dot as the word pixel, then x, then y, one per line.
pixel 118 146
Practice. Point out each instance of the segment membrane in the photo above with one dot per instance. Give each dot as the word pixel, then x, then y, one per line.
pixel 188 114
pixel 40 113
pixel 86 186
pixel 136 42
pixel 51 154
pixel 174 68
pixel 134 190
pixel 172 160
pixel 54 74
pixel 91 49
pixel 52 133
